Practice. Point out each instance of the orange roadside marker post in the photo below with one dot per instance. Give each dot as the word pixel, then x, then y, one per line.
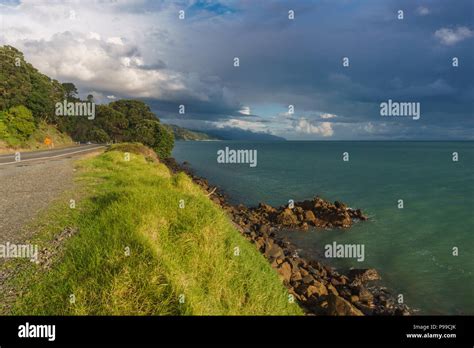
pixel 48 142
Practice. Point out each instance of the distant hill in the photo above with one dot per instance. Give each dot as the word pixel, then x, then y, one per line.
pixel 230 133
pixel 186 134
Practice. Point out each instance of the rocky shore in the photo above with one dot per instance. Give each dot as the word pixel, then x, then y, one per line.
pixel 319 289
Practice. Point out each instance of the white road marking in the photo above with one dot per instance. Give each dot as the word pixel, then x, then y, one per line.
pixel 56 156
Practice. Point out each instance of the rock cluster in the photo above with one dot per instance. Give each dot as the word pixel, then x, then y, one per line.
pixel 316 213
pixel 319 289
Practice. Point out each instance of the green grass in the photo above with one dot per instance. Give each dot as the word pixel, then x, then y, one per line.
pixel 173 251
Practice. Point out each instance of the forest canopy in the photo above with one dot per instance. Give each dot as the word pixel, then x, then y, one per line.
pixel 28 99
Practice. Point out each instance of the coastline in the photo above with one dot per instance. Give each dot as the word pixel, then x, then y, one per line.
pixel 317 287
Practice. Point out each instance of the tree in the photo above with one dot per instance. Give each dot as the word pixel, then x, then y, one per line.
pixel 98 135
pixel 134 110
pixel 164 142
pixel 114 123
pixel 70 90
pixel 154 135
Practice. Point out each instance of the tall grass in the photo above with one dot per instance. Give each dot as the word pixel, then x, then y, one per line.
pixel 138 251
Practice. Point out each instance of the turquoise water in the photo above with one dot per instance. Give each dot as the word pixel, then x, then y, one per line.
pixel 412 247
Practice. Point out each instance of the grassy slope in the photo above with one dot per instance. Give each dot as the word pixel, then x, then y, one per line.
pixel 36 140
pixel 173 251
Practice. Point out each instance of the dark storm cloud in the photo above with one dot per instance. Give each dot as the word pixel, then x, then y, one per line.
pixel 300 62
pixel 141 49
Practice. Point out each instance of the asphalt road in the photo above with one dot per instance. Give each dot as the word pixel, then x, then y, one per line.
pixel 9 159
pixel 30 185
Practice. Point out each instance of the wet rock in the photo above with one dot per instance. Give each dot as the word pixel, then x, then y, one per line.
pixel 264 229
pixel 296 276
pixel 332 289
pixel 309 217
pixel 365 295
pixel 363 274
pixel 340 205
pixel 354 298
pixel 339 306
pixel 317 289
pixel 304 272
pixel 274 252
pixel 316 212
pixel 367 310
pixel 260 242
pixel 266 208
pixel 287 218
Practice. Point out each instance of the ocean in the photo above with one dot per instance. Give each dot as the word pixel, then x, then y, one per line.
pixel 411 247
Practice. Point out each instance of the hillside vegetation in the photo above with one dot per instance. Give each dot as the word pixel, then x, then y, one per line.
pixel 149 243
pixel 28 101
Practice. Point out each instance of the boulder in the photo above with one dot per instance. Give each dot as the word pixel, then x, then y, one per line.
pixel 265 208
pixel 308 279
pixel 309 217
pixel 260 242
pixel 285 271
pixel 317 289
pixel 365 295
pixel 287 218
pixel 306 205
pixel 357 214
pixel 274 252
pixel 363 274
pixel 332 289
pixel 296 276
pixel 340 205
pixel 354 298
pixel 341 307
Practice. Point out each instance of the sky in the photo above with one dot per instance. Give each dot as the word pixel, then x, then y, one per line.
pixel 143 49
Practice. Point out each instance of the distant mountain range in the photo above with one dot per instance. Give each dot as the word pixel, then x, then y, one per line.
pixel 186 134
pixel 227 133
pixel 231 133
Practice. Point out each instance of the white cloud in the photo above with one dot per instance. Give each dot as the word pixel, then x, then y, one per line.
pixel 105 65
pixel 305 126
pixel 326 116
pixel 369 127
pixel 108 47
pixel 245 110
pixel 450 37
pixel 423 11
pixel 254 126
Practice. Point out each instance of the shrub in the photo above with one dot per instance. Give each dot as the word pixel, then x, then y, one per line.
pixel 20 122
